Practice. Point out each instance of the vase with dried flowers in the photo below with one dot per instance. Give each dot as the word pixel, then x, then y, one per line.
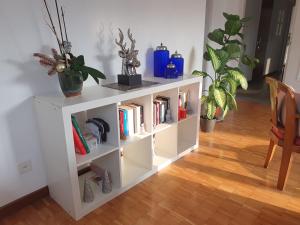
pixel 71 70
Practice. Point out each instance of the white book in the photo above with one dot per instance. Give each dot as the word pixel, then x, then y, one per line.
pixel 130 119
pixel 137 118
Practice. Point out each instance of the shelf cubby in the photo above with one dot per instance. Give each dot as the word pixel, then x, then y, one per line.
pixel 187 134
pixel 145 101
pixel 173 95
pixel 164 150
pixel 136 161
pixel 109 114
pixel 193 98
pixel 109 162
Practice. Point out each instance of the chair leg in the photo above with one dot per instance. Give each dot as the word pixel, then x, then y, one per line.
pixel 270 154
pixel 284 168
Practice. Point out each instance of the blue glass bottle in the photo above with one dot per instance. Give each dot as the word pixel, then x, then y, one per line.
pixel 177 59
pixel 161 60
pixel 171 71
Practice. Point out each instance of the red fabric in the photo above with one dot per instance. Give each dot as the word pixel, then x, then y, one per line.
pixel 280 134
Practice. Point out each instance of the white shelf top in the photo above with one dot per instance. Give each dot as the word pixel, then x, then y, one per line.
pixel 99 96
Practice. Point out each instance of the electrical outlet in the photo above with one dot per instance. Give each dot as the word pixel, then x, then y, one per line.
pixel 25 167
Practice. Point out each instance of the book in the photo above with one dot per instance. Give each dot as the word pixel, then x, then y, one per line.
pixel 154 114
pixel 130 119
pixel 125 122
pixel 162 110
pixel 75 124
pixel 137 118
pixel 79 148
pixel 157 113
pixel 121 119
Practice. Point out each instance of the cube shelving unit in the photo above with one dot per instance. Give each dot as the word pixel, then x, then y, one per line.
pixel 129 161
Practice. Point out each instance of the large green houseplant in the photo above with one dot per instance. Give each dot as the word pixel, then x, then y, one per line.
pixel 227 78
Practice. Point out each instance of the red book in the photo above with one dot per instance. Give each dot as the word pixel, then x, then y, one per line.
pixel 79 148
pixel 121 118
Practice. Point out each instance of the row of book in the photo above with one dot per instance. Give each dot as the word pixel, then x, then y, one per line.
pixel 95 133
pixel 161 110
pixel 81 146
pixel 131 117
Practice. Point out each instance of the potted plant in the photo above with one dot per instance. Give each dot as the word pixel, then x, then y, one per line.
pixel 71 70
pixel 227 77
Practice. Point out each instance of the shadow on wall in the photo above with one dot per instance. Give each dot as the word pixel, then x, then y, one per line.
pixel 107 52
pixel 190 65
pixel 149 67
pixel 21 123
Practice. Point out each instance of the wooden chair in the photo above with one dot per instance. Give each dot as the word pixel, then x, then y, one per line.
pixel 285 135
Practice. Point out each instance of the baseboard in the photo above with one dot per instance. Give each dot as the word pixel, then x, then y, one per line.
pixel 24 201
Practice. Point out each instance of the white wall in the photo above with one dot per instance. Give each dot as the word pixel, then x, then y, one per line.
pixel 215 19
pixel 92 27
pixel 292 72
pixel 252 10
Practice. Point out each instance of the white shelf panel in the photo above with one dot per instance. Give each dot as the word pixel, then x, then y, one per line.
pixel 99 197
pixel 134 138
pixel 162 127
pixel 188 116
pixel 102 150
pixel 131 172
pixel 162 160
pixel 185 145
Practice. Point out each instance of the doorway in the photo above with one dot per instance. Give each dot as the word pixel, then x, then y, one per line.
pixel 269 42
pixel 273 38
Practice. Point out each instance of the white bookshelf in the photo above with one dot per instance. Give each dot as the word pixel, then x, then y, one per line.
pixel 142 155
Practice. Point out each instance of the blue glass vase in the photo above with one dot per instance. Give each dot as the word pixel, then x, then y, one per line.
pixel 177 59
pixel 171 71
pixel 161 60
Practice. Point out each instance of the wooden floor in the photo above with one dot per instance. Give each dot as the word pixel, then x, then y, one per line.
pixel 222 183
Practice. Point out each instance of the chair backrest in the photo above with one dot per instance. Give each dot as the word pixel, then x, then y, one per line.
pixel 290 120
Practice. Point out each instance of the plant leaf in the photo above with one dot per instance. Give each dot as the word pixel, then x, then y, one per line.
pixel 237 75
pixel 200 73
pixel 211 110
pixel 220 97
pixel 233 50
pixel 231 101
pixel 233 85
pixel 233 27
pixel 225 111
pixel 79 60
pixel 96 74
pixel 204 99
pixel 217 36
pixel 235 42
pixel 206 56
pixel 231 16
pixel 211 91
pixel 216 62
pixel 246 19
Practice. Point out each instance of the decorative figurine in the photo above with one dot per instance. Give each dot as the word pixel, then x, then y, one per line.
pixel 188 103
pixel 106 185
pixel 88 194
pixel 130 62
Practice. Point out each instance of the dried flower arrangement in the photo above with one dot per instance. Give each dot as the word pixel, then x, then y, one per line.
pixel 71 70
